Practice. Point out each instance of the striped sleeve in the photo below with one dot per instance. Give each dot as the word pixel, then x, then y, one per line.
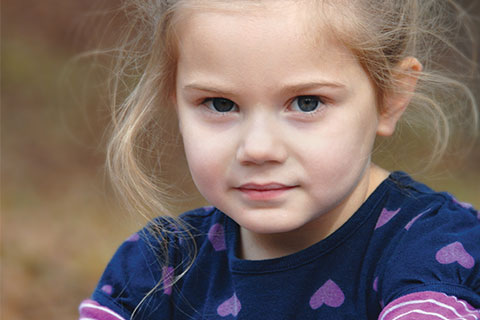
pixel 429 305
pixel 92 310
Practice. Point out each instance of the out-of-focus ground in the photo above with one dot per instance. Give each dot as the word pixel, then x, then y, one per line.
pixel 60 223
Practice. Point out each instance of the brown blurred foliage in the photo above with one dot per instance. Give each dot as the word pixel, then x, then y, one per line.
pixel 60 225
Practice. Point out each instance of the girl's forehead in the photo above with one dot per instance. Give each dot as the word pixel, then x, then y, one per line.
pixel 316 20
pixel 246 21
pixel 271 48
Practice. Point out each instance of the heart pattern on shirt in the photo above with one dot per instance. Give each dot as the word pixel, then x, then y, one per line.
pixel 455 252
pixel 108 289
pixel 230 306
pixel 167 278
pixel 386 216
pixel 216 236
pixel 329 294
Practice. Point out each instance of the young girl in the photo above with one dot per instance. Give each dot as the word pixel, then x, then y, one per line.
pixel 278 105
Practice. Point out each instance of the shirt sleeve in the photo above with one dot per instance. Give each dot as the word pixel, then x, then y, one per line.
pixel 438 250
pixel 92 310
pixel 429 305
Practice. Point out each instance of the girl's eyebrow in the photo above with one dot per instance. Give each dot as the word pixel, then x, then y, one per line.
pixel 294 87
pixel 302 86
pixel 208 88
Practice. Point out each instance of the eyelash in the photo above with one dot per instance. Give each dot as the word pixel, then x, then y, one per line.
pixel 208 103
pixel 318 107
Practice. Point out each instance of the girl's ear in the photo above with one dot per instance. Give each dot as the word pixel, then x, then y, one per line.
pixel 397 99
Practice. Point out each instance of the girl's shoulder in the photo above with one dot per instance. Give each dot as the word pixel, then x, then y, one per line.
pixel 144 265
pixel 430 243
pixel 201 218
pixel 193 222
pixel 415 198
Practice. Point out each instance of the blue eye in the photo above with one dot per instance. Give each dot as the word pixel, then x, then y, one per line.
pixel 306 103
pixel 220 104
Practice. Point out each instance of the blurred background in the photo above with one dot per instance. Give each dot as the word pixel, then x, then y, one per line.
pixel 60 222
pixel 59 225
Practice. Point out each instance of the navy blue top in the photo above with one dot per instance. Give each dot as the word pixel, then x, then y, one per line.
pixel 405 238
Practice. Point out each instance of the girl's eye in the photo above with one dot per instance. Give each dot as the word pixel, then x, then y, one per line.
pixel 220 104
pixel 306 103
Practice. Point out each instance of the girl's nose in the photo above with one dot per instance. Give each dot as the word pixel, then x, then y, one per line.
pixel 261 143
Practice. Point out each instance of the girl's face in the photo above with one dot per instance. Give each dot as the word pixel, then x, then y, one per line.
pixel 277 129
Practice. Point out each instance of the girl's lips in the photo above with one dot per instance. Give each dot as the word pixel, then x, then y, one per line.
pixel 266 186
pixel 263 192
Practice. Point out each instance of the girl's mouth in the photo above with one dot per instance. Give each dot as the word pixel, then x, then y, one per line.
pixel 263 192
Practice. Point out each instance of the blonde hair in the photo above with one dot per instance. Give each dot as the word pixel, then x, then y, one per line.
pixel 379 32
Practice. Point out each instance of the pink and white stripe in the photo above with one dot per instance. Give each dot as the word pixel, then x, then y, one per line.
pixel 92 310
pixel 429 305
